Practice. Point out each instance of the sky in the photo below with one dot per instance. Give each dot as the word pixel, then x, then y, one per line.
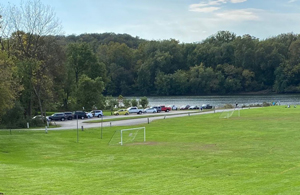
pixel 184 20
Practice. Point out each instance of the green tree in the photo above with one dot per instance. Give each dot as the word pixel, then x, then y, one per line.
pixel 134 102
pixel 9 83
pixel 126 102
pixel 163 84
pixel 179 83
pixel 143 80
pixel 89 93
pixel 144 102
pixel 79 58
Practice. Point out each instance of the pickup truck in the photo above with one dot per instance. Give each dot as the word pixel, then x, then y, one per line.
pixel 134 110
pixel 165 108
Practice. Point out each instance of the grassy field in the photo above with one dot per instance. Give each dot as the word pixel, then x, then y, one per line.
pixel 256 153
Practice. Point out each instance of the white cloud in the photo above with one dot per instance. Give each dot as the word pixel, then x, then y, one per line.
pixel 204 9
pixel 239 1
pixel 209 3
pixel 238 15
pixel 211 6
pixel 292 1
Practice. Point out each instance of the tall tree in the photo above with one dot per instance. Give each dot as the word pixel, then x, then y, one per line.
pixel 9 83
pixel 89 93
pixel 30 23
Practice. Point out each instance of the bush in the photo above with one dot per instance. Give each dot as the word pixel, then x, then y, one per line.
pixel 266 104
pixel 37 123
pixel 227 106
pixel 144 102
pixel 111 103
pixel 127 103
pixel 255 105
pixel 134 102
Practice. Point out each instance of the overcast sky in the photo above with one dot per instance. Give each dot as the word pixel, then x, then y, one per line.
pixel 183 20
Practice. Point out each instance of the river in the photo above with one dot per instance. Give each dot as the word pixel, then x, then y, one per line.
pixel 219 101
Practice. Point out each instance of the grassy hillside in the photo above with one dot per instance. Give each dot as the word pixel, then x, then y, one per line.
pixel 256 153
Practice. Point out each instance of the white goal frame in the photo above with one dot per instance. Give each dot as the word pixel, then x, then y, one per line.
pixel 229 113
pixel 122 130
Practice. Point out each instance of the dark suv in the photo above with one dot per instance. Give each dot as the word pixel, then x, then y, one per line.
pixel 57 116
pixel 206 106
pixel 69 115
pixel 79 114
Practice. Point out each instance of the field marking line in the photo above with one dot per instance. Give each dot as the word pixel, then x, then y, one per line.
pixel 289 169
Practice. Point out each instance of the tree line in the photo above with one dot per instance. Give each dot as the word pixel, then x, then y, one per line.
pixel 41 70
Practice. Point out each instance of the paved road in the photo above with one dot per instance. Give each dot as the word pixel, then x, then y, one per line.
pixel 72 124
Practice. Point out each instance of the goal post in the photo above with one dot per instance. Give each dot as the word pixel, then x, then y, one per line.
pixel 131 135
pixel 230 113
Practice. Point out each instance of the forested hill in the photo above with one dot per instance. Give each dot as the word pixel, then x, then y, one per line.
pixel 41 73
pixel 222 64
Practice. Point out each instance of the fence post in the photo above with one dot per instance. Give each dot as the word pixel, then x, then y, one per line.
pixel 46 129
pixel 101 125
pixel 81 128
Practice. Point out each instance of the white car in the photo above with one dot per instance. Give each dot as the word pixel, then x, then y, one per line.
pixel 173 107
pixel 150 110
pixel 89 114
pixel 97 113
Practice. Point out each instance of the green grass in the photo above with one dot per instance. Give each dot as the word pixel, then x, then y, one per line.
pixel 256 153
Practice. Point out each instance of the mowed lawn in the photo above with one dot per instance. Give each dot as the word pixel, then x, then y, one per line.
pixel 256 153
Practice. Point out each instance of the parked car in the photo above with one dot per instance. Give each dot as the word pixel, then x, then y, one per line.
pixel 89 115
pixel 184 107
pixel 173 107
pixel 79 115
pixel 158 108
pixel 57 117
pixel 40 117
pixel 193 107
pixel 97 113
pixel 150 110
pixel 134 110
pixel 165 108
pixel 121 112
pixel 206 106
pixel 69 115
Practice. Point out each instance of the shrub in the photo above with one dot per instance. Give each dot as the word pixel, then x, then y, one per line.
pixel 144 102
pixel 126 103
pixel 266 104
pixel 228 106
pixel 134 102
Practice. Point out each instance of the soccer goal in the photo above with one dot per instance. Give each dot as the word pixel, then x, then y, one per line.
pixel 125 136
pixel 230 113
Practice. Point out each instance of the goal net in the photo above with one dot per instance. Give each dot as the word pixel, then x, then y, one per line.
pixel 124 136
pixel 230 113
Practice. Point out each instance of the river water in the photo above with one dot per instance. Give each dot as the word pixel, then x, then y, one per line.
pixel 219 101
